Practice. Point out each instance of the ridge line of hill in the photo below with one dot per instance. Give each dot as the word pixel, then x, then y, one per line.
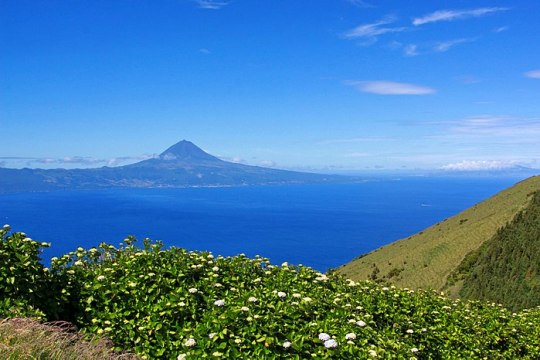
pixel 425 259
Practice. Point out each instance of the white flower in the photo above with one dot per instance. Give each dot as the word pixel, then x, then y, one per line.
pixel 410 331
pixel 80 249
pixel 78 263
pixel 350 336
pixel 414 350
pixel 210 256
pixel 219 302
pixel 385 289
pixel 372 353
pixel 192 290
pixel 181 304
pixel 237 341
pixel 296 295
pixel 244 308
pixel 361 323
pixel 211 335
pixel 324 336
pixel 190 342
pixel 252 299
pixel 215 268
pixel 100 278
pixel 287 344
pixel 281 294
pixel 181 357
pixel 330 344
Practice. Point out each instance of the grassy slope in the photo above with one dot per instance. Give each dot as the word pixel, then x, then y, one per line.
pixel 424 260
pixel 24 338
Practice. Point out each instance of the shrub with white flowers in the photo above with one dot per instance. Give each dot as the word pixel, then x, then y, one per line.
pixel 167 304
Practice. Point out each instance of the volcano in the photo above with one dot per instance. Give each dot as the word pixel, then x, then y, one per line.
pixel 183 164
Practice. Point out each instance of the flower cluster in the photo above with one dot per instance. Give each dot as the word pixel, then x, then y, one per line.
pixel 184 304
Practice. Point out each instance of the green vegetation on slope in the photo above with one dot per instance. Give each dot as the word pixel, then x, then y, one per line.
pixel 425 260
pixel 506 268
pixel 177 304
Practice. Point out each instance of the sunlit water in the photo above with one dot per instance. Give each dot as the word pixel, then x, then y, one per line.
pixel 322 226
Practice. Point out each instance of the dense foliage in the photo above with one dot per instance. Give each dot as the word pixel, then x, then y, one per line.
pixel 179 304
pixel 506 268
pixel 23 282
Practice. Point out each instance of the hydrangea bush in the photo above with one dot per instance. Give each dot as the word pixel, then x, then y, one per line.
pixel 178 304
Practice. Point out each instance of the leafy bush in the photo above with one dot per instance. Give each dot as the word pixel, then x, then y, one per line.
pixel 23 280
pixel 169 303
pixel 178 304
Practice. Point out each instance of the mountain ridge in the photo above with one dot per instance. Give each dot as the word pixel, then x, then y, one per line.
pixel 181 165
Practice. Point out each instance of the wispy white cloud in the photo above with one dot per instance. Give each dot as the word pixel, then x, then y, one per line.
pixel 447 45
pixel 360 3
pixel 205 51
pixel 411 50
pixel 468 79
pixel 268 163
pixel 355 140
pixel 501 29
pixel 534 74
pixel 498 126
pixel 72 161
pixel 451 15
pixel 494 131
pixel 480 165
pixel 390 88
pixel 211 4
pixel 357 155
pixel 373 30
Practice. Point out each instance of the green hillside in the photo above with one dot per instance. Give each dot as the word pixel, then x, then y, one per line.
pixel 425 259
pixel 179 304
pixel 506 268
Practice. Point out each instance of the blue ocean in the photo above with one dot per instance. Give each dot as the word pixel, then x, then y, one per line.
pixel 322 226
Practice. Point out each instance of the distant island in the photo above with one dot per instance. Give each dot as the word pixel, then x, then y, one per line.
pixel 181 165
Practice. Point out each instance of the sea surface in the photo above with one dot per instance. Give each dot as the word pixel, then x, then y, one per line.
pixel 322 226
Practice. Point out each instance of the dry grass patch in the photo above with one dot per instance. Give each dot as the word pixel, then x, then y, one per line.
pixel 22 338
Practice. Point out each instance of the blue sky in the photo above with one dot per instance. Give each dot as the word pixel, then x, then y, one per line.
pixel 315 85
